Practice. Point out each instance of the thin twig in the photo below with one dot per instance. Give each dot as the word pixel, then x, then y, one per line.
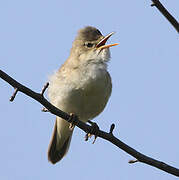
pixel 107 136
pixel 112 128
pixel 13 95
pixel 44 88
pixel 133 161
pixel 164 11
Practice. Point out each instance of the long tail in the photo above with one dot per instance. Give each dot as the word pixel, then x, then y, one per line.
pixel 60 141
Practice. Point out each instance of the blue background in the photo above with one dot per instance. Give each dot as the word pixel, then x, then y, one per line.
pixel 35 39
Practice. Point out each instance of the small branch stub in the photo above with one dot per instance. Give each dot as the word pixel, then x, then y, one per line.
pixel 44 88
pixel 112 128
pixel 133 161
pixel 44 109
pixel 13 95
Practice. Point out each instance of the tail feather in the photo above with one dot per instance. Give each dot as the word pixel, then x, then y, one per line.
pixel 56 149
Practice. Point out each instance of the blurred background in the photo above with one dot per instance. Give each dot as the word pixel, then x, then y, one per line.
pixel 35 39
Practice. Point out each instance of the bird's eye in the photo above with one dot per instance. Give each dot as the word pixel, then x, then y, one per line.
pixel 89 45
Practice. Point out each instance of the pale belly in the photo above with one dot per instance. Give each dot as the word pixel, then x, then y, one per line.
pixel 87 98
pixel 87 103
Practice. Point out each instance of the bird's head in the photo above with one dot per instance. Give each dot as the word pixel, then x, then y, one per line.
pixel 90 45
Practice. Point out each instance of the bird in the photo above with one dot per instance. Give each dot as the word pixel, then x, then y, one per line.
pixel 81 86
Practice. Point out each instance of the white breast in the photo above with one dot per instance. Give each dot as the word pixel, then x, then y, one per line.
pixel 84 91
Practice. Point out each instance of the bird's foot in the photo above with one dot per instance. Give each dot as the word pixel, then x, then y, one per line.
pixel 72 120
pixel 93 131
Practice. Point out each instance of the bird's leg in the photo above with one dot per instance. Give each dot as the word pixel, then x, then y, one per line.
pixel 93 131
pixel 72 120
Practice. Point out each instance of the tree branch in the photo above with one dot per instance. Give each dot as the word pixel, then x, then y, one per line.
pixel 107 136
pixel 164 11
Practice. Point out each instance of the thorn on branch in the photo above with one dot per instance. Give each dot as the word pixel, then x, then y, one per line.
pixel 112 128
pixel 44 109
pixel 44 88
pixel 133 161
pixel 13 95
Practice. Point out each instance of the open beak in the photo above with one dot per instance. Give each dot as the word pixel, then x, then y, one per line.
pixel 101 44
